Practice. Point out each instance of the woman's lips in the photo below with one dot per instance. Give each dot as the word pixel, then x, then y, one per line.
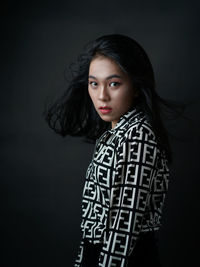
pixel 105 110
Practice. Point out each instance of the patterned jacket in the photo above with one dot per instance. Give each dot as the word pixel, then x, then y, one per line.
pixel 125 187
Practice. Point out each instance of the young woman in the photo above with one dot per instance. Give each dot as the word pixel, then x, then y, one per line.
pixel 111 99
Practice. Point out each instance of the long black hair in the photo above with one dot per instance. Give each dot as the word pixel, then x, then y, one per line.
pixel 74 114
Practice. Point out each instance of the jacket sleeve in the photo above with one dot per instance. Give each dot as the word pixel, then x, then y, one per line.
pixel 135 164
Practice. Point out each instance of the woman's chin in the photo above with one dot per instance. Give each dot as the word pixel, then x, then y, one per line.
pixel 105 118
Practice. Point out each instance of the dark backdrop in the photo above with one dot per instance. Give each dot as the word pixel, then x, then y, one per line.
pixel 42 174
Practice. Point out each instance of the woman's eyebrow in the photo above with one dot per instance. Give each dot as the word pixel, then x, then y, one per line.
pixel 107 78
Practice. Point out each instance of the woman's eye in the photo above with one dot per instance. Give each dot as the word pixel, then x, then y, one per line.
pixel 114 84
pixel 93 84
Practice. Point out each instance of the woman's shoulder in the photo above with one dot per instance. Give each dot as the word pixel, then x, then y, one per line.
pixel 140 130
pixel 140 126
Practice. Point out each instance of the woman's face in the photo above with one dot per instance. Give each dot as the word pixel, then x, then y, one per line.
pixel 110 89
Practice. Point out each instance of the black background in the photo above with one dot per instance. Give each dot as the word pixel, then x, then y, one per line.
pixel 42 174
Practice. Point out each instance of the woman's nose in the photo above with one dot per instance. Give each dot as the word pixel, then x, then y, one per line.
pixel 104 94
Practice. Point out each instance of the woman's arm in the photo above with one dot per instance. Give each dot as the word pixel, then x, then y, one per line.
pixel 136 161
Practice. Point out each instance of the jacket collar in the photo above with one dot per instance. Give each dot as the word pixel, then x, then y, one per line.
pixel 125 120
pixel 136 113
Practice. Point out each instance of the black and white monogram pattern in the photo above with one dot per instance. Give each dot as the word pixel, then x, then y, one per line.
pixel 125 187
